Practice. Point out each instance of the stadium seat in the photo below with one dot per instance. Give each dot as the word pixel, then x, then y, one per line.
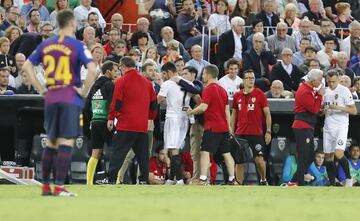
pixel 39 143
pixel 280 149
pixel 80 157
pixel 318 144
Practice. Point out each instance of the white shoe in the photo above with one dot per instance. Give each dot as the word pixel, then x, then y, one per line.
pixel 169 182
pixel 348 183
pixel 180 182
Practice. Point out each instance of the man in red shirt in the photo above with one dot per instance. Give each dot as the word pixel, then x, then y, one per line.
pixel 215 107
pixel 249 110
pixel 133 104
pixel 159 167
pixel 307 106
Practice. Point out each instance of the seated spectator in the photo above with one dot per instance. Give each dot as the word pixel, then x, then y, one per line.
pixel 172 53
pixel 219 21
pixel 281 6
pixel 92 21
pixel 343 19
pixel 304 6
pixel 117 21
pixel 326 26
pixel 89 38
pixel 159 167
pixel 197 60
pixel 82 11
pixel 257 26
pixel 316 173
pixel 143 24
pixel 167 35
pixel 299 56
pixel 4 5
pixel 186 166
pixel 286 72
pixel 6 60
pixel 342 62
pixel 315 14
pixel 28 42
pixel 346 81
pixel 280 40
pixel 354 166
pixel 5 89
pixel 356 68
pixel 51 4
pixel 35 4
pixel 12 33
pixel 34 21
pixel 258 59
pixel 180 64
pixel 97 52
pixel 189 26
pixel 119 51
pixel 305 26
pixel 290 18
pixel 330 7
pixel 162 13
pixel 114 35
pixel 348 45
pixel 357 87
pixel 59 6
pixel 309 64
pixel 135 54
pixel 327 56
pixel 11 18
pixel 269 17
pixel 289 169
pixel 231 82
pixel 16 82
pixel 232 43
pixel 26 87
pixel 276 90
pixel 243 9
pixel 140 40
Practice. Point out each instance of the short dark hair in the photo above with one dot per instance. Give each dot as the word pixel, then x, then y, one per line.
pixel 255 22
pixel 64 18
pixel 329 38
pixel 92 13
pixel 319 151
pixel 145 65
pixel 232 61
pixel 107 66
pixel 310 48
pixel 179 59
pixel 128 62
pixel 212 70
pixel 191 69
pixel 332 73
pixel 305 39
pixel 119 41
pixel 356 79
pixel 353 145
pixel 168 66
pixel 33 10
pixel 248 71
pixel 315 60
pixel 324 20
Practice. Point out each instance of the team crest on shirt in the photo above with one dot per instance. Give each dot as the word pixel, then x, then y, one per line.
pixel 340 142
pixel 97 104
pixel 11 62
pixel 336 96
pixel 253 99
pixel 307 140
pixel 258 147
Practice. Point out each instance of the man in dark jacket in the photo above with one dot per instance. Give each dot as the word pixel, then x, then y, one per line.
pixel 269 17
pixel 97 109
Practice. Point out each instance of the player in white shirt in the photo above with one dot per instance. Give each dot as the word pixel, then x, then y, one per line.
pixel 338 104
pixel 176 121
pixel 231 82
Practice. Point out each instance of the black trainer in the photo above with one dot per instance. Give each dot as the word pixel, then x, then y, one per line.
pixel 264 183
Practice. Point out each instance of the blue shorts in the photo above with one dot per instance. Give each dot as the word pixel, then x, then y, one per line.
pixel 63 121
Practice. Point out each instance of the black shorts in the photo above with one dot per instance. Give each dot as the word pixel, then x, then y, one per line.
pixel 63 120
pixel 100 134
pixel 256 143
pixel 215 142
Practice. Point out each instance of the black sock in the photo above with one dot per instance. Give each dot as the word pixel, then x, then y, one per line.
pixel 331 171
pixel 63 163
pixel 175 167
pixel 48 156
pixel 345 165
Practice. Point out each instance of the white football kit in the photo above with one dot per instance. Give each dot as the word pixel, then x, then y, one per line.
pixel 336 122
pixel 231 86
pixel 176 121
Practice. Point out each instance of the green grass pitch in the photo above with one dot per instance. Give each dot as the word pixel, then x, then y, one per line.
pixel 200 203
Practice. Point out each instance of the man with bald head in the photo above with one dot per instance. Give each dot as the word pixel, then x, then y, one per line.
pixel 258 59
pixel 280 40
pixel 197 60
pixel 89 37
pixel 143 24
pixel 117 21
pixel 167 35
pixel 286 72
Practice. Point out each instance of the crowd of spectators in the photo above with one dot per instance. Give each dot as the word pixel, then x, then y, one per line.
pixel 280 40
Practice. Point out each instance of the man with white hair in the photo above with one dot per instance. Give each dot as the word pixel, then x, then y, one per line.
pixel 304 31
pixel 315 14
pixel 232 43
pixel 342 61
pixel 348 44
pixel 280 40
pixel 338 104
pixel 307 105
pixel 258 59
pixel 276 90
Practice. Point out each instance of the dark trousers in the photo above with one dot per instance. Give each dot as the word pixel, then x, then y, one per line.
pixel 305 152
pixel 122 142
